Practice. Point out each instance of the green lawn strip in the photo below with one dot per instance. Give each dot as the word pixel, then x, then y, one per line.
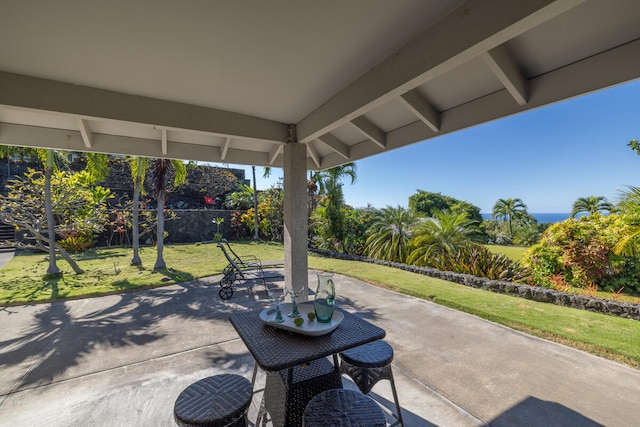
pixel 516 253
pixel 607 336
pixel 108 271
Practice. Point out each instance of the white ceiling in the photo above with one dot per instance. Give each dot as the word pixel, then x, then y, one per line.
pixel 232 81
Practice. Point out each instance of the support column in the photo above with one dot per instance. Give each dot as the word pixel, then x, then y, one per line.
pixel 296 263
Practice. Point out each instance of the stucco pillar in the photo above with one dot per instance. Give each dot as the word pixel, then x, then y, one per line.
pixel 296 263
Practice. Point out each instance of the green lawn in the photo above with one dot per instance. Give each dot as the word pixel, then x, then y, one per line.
pixel 514 252
pixel 108 271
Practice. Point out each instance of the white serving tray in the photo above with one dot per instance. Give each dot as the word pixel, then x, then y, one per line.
pixel 314 328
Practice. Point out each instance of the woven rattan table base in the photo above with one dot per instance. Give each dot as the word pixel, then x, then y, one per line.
pixel 286 398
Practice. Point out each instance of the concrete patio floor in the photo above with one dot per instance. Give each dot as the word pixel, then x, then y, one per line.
pixel 121 360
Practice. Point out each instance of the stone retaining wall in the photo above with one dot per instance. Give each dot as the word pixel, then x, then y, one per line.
pixel 535 293
pixel 196 225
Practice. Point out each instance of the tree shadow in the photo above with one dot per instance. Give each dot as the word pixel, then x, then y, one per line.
pixel 62 336
pixel 53 281
pixel 67 339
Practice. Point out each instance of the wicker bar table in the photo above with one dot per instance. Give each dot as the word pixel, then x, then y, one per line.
pixel 296 364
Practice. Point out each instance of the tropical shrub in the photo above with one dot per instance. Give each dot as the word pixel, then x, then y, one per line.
pixel 478 261
pixel 443 242
pixel 238 228
pixel 319 234
pixel 270 215
pixel 241 199
pixel 528 234
pixel 120 223
pixel 79 207
pixel 580 252
pixel 357 221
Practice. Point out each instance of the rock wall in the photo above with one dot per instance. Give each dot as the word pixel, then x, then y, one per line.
pixel 196 225
pixel 535 293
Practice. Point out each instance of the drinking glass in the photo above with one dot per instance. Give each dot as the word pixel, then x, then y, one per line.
pixel 294 302
pixel 277 295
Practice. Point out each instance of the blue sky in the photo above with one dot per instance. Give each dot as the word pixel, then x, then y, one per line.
pixel 548 157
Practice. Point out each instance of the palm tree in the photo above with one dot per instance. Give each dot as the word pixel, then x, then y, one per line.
pixel 591 205
pixel 440 235
pixel 138 173
pixel 329 183
pixel 507 210
pixel 391 234
pixel 161 170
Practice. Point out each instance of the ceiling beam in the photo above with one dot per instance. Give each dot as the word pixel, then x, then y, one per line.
pixel 85 131
pixel 60 139
pixel 336 145
pixel 612 67
pixel 504 67
pixel 422 109
pixel 225 148
pixel 33 93
pixel 370 130
pixel 474 28
pixel 163 144
pixel 314 154
pixel 274 153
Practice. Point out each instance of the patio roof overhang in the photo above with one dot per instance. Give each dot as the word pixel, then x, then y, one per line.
pixel 291 84
pixel 233 82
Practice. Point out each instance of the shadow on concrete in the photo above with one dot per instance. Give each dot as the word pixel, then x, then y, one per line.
pixel 61 334
pixel 536 412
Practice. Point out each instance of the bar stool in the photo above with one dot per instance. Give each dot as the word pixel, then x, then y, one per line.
pixel 217 401
pixel 343 408
pixel 368 364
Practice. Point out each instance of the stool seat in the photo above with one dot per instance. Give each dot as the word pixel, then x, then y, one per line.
pixel 368 364
pixel 217 401
pixel 343 408
pixel 373 355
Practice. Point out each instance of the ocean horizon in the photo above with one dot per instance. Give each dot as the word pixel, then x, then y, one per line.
pixel 541 217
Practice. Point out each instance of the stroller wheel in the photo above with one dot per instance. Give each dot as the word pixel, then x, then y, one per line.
pixel 225 292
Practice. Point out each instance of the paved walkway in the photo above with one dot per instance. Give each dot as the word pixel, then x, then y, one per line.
pixel 121 360
pixel 5 257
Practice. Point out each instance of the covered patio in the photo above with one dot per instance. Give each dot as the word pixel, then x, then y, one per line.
pixel 121 360
pixel 296 85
